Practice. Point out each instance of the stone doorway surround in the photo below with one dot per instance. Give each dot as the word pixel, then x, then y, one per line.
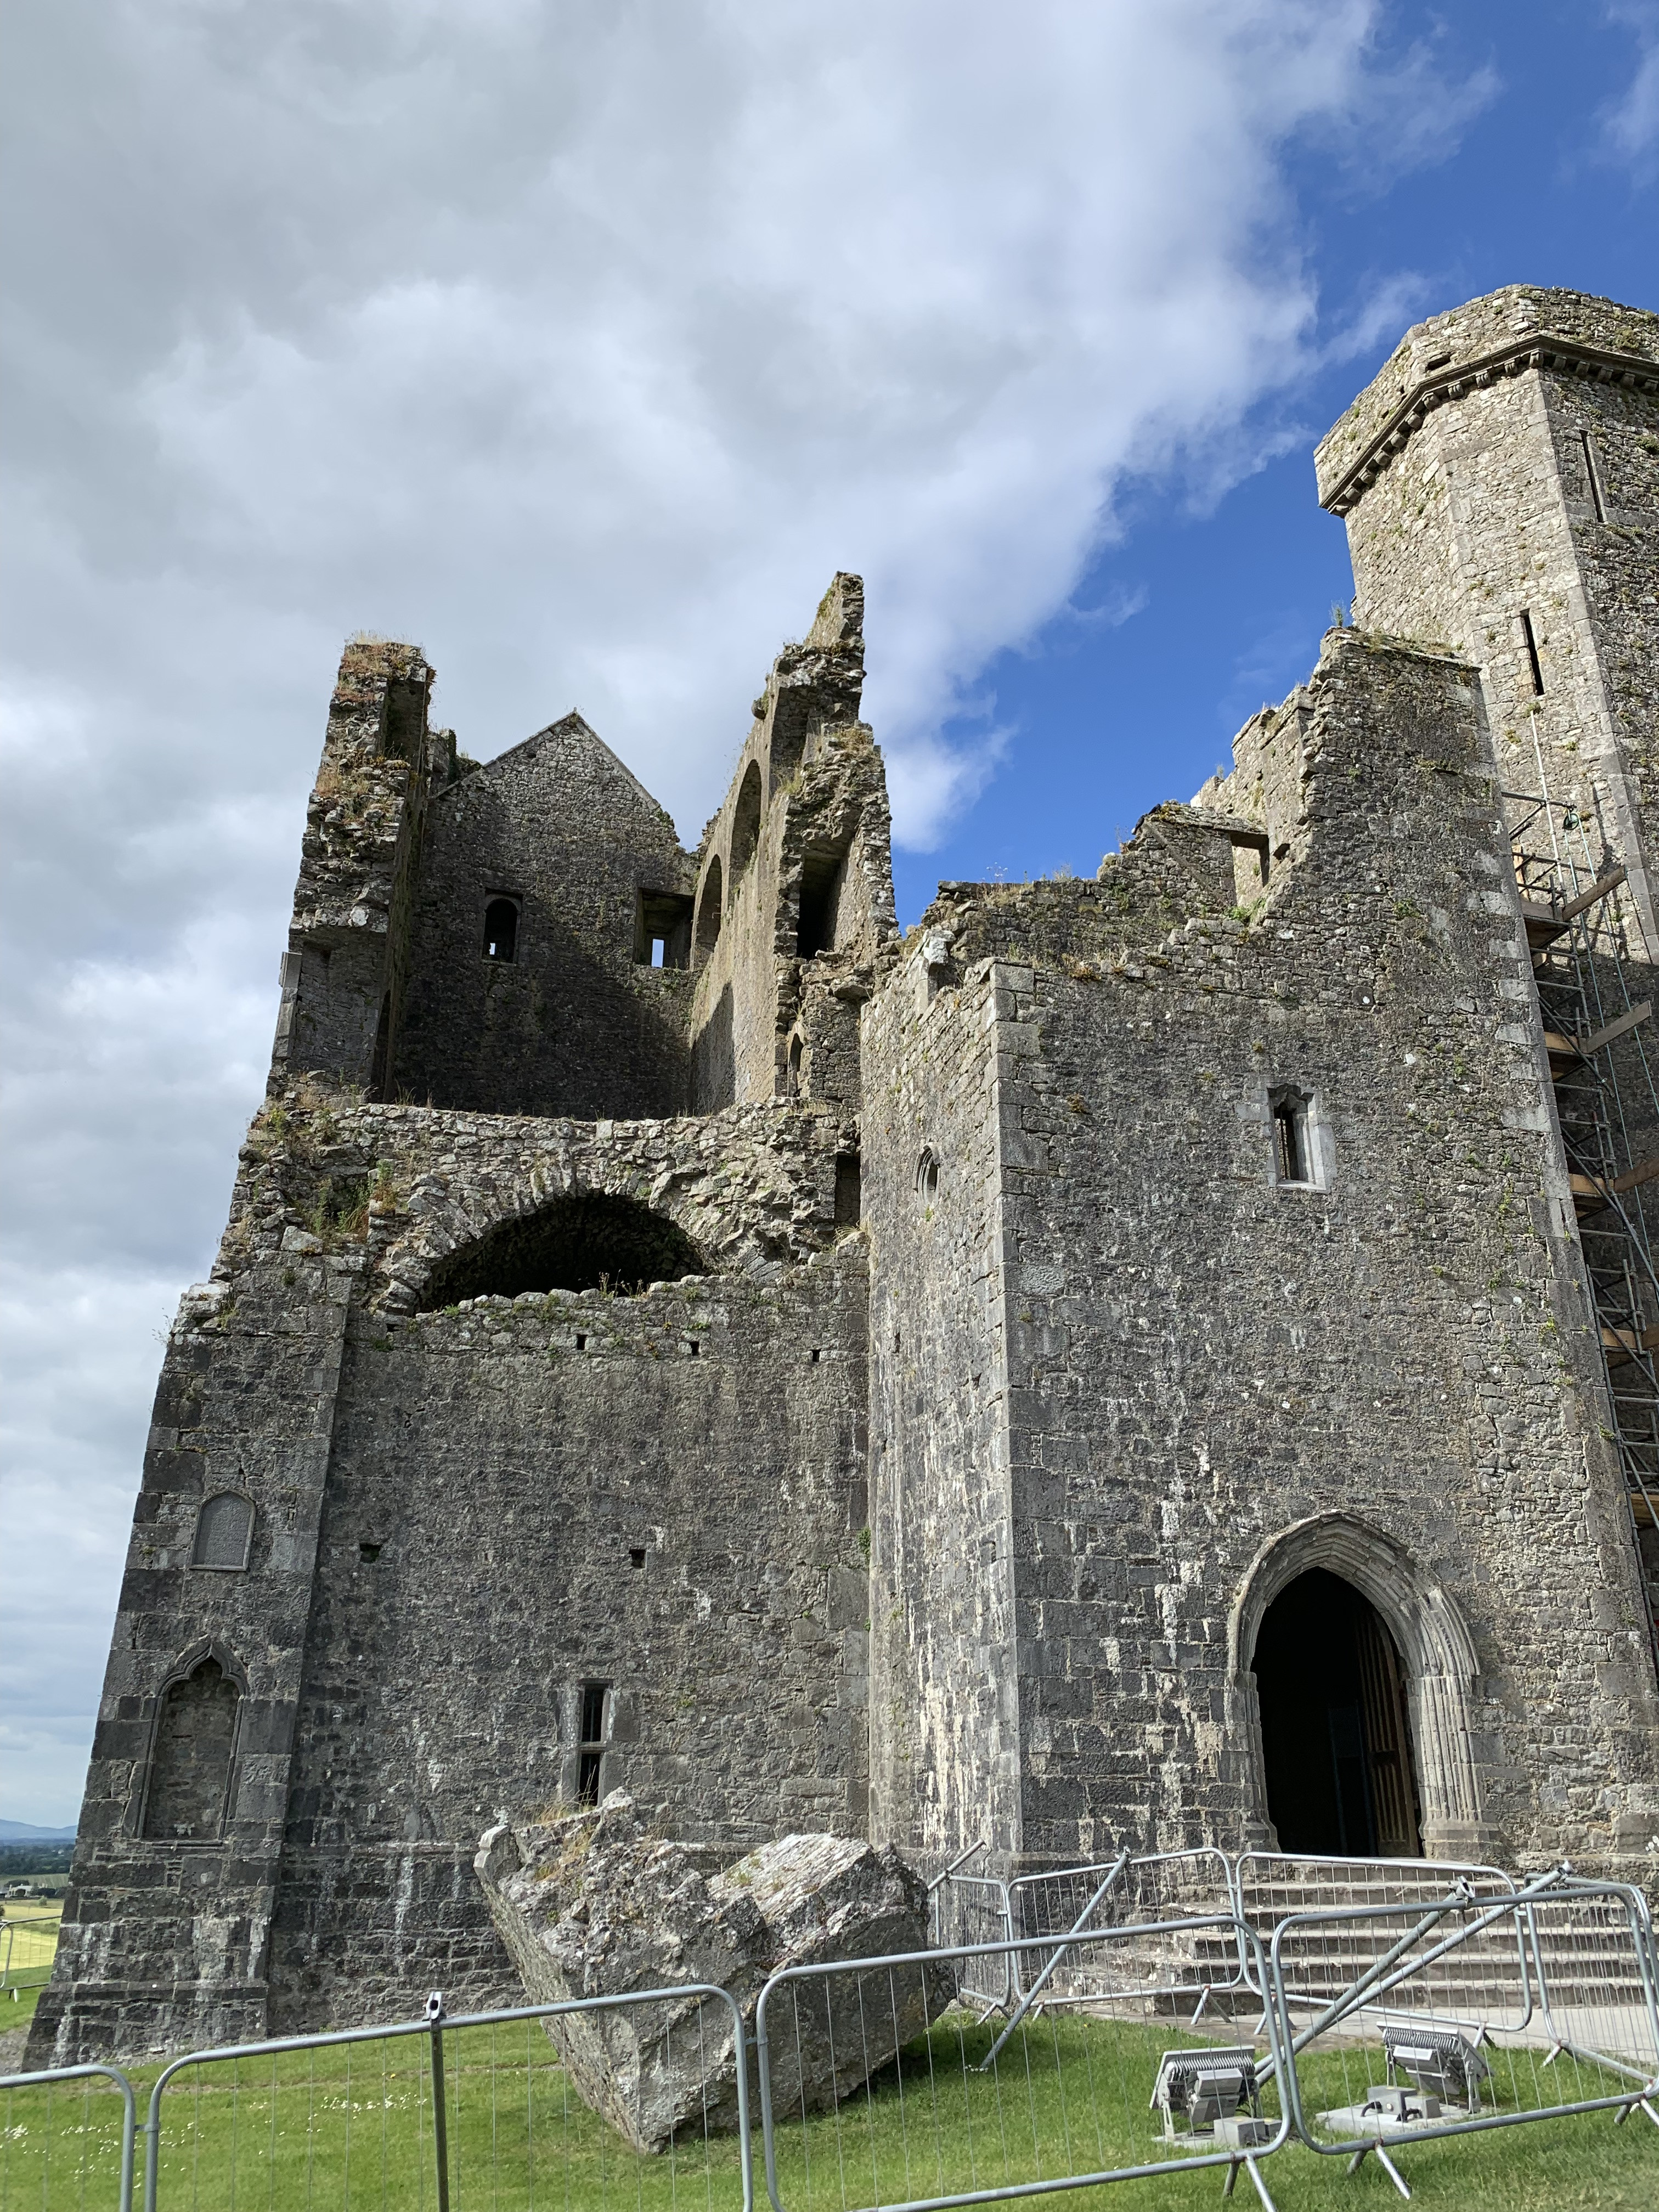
pixel 1436 1657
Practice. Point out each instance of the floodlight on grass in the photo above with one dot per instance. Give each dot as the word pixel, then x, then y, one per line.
pixel 1439 2062
pixel 1205 2088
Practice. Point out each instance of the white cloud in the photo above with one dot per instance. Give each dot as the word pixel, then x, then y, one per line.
pixel 579 343
pixel 1631 122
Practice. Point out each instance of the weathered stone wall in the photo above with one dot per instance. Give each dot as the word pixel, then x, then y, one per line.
pixel 945 1708
pixel 1206 1373
pixel 576 1023
pixel 1481 518
pixel 164 1942
pixel 664 1494
pixel 467 1443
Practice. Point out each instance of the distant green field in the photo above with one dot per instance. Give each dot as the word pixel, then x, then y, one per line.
pixel 352 2128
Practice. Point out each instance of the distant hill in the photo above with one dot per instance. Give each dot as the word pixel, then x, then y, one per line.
pixel 19 1832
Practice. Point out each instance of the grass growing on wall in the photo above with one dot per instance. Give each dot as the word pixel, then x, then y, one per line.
pixel 351 2128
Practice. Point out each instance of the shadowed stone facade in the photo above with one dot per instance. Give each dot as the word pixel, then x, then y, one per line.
pixel 674 1333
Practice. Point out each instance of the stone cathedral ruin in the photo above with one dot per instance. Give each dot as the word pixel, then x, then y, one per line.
pixel 1163 1360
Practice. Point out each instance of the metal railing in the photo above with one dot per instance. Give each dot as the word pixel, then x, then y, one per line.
pixel 487 2116
pixel 948 2115
pixel 88 2161
pixel 1465 2014
pixel 1431 2011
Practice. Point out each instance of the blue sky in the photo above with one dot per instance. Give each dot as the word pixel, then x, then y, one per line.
pixel 580 342
pixel 1105 718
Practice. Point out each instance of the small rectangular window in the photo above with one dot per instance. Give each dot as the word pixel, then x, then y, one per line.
pixel 662 929
pixel 1533 662
pixel 591 1750
pixel 1292 1137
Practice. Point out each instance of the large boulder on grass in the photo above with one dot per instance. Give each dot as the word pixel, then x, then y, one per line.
pixel 591 1905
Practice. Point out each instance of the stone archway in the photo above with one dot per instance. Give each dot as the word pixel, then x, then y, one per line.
pixel 1437 1656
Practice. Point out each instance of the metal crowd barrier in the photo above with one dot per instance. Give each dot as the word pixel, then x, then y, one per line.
pixel 467 2138
pixel 1463 2013
pixel 90 2162
pixel 1427 2011
pixel 946 2115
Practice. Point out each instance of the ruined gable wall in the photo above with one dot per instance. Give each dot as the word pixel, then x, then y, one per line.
pixel 575 1023
pixel 806 816
pixel 1199 1361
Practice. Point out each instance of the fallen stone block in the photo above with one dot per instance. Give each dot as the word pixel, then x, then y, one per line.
pixel 589 1905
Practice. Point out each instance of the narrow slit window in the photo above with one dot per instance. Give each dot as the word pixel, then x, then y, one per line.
pixel 1292 1145
pixel 928 1179
pixel 591 1751
pixel 1536 664
pixel 1593 472
pixel 501 934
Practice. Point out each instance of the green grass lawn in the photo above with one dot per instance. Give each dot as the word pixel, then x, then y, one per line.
pixel 351 2128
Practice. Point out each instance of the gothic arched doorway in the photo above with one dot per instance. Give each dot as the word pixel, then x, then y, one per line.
pixel 1335 1738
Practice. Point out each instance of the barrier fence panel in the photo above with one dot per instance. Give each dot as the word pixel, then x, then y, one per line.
pixel 883 2087
pixel 1199 1962
pixel 475 2111
pixel 66 2138
pixel 971 1915
pixel 1464 2014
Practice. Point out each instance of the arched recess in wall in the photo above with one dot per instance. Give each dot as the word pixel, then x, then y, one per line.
pixel 710 902
pixel 584 1241
pixel 192 1754
pixel 1437 1659
pixel 745 826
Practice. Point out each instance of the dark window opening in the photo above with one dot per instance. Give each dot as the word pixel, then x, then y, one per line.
pixel 405 722
pixel 591 1751
pixel 585 1240
pixel 849 1200
pixel 636 1555
pixel 189 1765
pixel 817 1355
pixel 1292 1138
pixel 1532 652
pixel 821 880
pixel 1594 473
pixel 581 1342
pixel 662 929
pixel 501 933
pixel 927 1177
pixel 708 910
pixel 797 1054
pixel 368 1553
pixel 691 1349
pixel 1335 1735
pixel 224 1531
pixel 745 826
